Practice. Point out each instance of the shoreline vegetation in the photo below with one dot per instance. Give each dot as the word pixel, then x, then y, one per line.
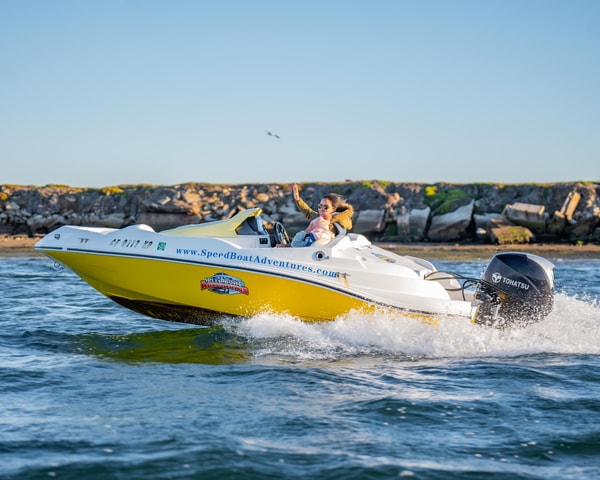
pixel 23 245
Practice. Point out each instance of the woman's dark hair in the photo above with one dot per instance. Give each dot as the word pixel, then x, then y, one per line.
pixel 334 199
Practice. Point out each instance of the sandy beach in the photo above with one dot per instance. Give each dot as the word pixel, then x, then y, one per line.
pixel 17 244
pixel 22 244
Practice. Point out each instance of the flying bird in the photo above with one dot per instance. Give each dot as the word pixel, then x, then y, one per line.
pixel 272 134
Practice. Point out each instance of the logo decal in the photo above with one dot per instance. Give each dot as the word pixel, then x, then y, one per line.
pixel 511 282
pixel 224 284
pixel 161 246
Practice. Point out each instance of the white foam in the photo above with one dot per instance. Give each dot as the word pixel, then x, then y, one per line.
pixel 573 327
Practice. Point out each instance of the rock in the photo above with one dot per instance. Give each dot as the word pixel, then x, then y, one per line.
pixel 191 197
pixel 503 232
pixel 583 226
pixel 114 220
pixel 38 222
pixel 586 217
pixel 369 222
pixel 418 220
pixel 483 220
pixel 262 198
pixel 527 215
pixel 12 206
pixel 451 226
pixel 557 224
pixel 570 204
pixel 482 225
pixel 482 233
pixel 403 223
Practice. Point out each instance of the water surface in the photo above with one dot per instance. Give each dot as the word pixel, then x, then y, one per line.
pixel 91 390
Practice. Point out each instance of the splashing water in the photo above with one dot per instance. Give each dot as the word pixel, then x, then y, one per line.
pixel 573 327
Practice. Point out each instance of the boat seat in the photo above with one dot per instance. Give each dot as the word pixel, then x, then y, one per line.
pixel 321 241
pixel 339 229
pixel 247 222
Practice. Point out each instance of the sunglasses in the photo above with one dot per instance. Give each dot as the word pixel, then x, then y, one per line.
pixel 326 207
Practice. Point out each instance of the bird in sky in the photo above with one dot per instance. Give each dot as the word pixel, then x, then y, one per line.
pixel 272 134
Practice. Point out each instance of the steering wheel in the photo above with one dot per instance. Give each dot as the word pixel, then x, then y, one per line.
pixel 280 234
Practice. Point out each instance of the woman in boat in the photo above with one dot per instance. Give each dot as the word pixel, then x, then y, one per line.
pixel 340 212
pixel 318 230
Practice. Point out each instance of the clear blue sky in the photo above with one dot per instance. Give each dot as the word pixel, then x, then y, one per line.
pixel 107 92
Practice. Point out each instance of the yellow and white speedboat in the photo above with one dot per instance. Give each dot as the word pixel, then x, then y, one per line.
pixel 196 273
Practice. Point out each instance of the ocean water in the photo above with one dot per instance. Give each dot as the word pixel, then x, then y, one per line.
pixel 90 390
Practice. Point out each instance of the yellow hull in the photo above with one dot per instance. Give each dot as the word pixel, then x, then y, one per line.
pixel 194 293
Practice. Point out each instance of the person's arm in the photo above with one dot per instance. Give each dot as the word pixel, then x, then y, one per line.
pixel 302 205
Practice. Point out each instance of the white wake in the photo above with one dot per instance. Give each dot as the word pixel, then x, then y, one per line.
pixel 573 327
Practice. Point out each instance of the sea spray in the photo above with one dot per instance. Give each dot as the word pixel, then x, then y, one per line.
pixel 573 327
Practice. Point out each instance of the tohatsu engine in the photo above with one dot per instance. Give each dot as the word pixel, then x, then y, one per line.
pixel 516 289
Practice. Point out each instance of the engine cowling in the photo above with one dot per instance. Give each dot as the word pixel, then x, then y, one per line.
pixel 516 289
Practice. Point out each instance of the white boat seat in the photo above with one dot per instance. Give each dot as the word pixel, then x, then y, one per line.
pixel 339 229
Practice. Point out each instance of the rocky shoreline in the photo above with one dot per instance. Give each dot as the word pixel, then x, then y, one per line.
pixel 386 212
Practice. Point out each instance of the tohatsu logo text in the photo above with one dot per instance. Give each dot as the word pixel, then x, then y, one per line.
pixel 498 278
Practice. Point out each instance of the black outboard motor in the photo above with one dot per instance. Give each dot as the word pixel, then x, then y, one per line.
pixel 516 289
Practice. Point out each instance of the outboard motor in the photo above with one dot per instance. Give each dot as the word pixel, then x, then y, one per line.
pixel 516 289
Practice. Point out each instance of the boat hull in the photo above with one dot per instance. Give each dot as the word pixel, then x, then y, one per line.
pixel 199 273
pixel 199 294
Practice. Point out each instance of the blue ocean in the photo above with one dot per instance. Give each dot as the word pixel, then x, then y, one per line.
pixel 90 390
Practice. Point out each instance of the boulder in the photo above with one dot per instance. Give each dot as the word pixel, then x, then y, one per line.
pixel 563 217
pixel 586 218
pixel 482 224
pixel 403 223
pixel 484 220
pixel 584 225
pixel 369 222
pixel 418 219
pixel 114 220
pixel 503 232
pixel 527 215
pixel 451 226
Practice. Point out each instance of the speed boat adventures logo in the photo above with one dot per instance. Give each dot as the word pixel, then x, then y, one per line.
pixel 224 284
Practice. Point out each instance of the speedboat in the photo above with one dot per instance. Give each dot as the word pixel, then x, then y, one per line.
pixel 198 273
